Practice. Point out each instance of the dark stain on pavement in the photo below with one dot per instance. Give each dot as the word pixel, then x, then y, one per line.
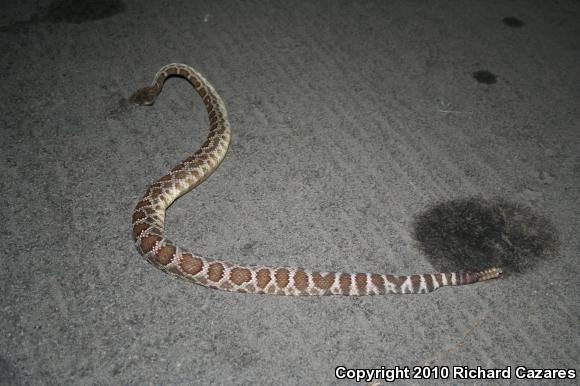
pixel 484 76
pixel 513 22
pixel 474 234
pixel 77 12
pixel 68 11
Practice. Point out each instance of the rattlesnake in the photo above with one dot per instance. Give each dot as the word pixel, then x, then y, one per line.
pixel 149 217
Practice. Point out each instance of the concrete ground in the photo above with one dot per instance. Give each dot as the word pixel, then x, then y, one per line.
pixel 367 136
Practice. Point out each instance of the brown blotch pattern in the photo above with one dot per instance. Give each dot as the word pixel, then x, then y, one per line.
pixel 263 277
pixel 416 282
pixel 301 280
pixel 378 282
pixel 155 192
pixel 466 278
pixel 240 275
pixel 282 277
pixel 361 282
pixel 138 215
pixel 148 242
pixel 397 281
pixel 323 282
pixel 429 282
pixel 215 272
pixel 165 254
pixel 344 282
pixel 138 229
pixel 190 264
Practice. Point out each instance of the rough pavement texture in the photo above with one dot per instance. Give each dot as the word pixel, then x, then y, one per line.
pixel 359 130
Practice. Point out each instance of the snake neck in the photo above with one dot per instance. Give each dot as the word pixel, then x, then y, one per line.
pixel 149 214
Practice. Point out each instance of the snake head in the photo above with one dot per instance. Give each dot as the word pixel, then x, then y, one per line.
pixel 144 96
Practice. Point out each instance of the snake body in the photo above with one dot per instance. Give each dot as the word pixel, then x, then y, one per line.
pixel 149 217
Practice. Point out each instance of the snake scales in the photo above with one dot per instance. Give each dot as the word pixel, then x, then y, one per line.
pixel 149 216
